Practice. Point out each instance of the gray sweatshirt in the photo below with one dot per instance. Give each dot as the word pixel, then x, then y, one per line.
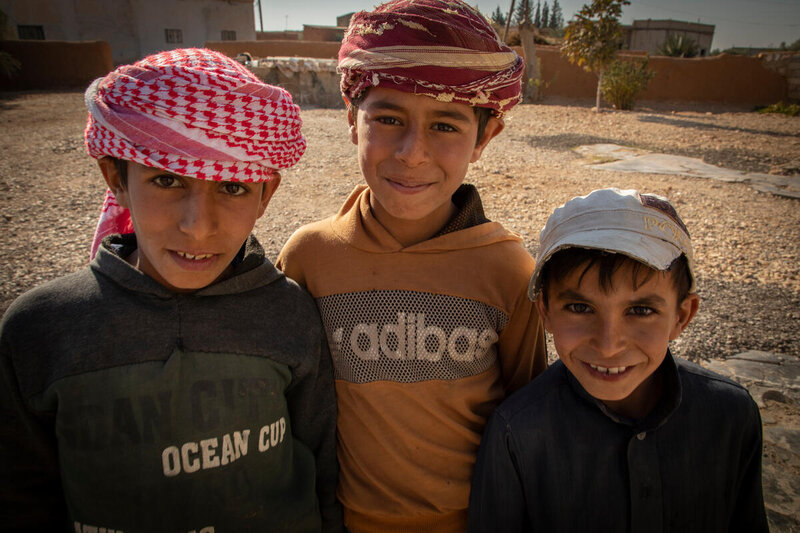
pixel 127 407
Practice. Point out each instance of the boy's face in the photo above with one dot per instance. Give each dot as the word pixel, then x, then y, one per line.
pixel 414 152
pixel 613 340
pixel 187 230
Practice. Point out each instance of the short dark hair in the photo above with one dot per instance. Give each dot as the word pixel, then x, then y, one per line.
pixel 564 262
pixel 483 114
pixel 122 169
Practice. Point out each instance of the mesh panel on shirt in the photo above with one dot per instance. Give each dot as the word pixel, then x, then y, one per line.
pixel 409 337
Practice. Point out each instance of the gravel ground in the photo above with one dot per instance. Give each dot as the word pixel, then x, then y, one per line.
pixel 747 243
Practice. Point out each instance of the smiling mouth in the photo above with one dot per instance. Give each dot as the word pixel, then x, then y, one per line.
pixel 611 370
pixel 195 257
pixel 411 187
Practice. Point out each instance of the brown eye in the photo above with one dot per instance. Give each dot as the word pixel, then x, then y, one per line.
pixel 441 126
pixel 578 308
pixel 166 181
pixel 233 188
pixel 641 310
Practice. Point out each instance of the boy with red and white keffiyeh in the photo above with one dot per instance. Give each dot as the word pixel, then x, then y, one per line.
pixel 423 298
pixel 180 382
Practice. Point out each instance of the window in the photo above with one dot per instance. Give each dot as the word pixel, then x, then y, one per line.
pixel 173 36
pixel 31 32
pixel 228 35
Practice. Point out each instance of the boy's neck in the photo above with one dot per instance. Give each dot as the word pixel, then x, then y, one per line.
pixel 642 400
pixel 409 232
pixel 133 259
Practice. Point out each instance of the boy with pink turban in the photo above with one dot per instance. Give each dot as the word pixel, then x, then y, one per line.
pixel 423 298
pixel 162 388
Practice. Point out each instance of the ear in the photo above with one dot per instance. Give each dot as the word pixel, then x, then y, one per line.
pixel 267 191
pixel 493 127
pixel 543 312
pixel 686 311
pixel 352 118
pixel 113 180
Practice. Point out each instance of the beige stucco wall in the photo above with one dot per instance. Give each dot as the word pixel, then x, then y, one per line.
pixel 650 35
pixel 133 28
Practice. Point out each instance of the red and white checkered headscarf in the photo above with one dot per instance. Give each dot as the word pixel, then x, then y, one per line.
pixel 444 49
pixel 192 112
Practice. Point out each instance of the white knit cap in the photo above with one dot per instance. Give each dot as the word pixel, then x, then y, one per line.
pixel 645 227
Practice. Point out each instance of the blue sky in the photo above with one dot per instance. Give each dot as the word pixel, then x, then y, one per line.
pixel 756 23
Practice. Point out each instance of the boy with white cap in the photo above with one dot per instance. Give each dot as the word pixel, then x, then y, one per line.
pixel 179 382
pixel 619 435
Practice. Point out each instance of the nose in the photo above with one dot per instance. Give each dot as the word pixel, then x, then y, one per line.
pixel 413 148
pixel 199 217
pixel 608 336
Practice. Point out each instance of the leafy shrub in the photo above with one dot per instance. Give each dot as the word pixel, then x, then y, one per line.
pixel 679 46
pixel 9 66
pixel 786 109
pixel 623 81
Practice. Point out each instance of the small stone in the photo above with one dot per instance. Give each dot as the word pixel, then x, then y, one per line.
pixel 775 396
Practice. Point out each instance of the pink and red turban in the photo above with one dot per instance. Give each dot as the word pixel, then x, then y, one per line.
pixel 443 49
pixel 192 112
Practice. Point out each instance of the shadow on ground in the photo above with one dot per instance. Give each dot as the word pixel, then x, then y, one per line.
pixel 684 123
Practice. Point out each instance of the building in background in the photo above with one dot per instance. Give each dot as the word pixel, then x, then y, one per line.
pixel 650 35
pixel 344 20
pixel 323 33
pixel 133 29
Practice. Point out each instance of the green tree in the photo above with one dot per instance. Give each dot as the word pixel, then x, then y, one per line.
pixel 593 37
pixel 545 16
pixel 499 17
pixel 623 81
pixel 556 16
pixel 524 12
pixel 679 46
pixel 794 46
pixel 537 21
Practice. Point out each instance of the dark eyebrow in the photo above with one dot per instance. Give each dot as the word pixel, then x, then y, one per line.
pixel 652 300
pixel 570 294
pixel 384 105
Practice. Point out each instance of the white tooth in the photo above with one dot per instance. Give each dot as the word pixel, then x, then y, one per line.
pixel 593 366
pixel 613 370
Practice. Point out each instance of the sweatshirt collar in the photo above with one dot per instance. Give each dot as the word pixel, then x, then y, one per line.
pixel 468 228
pixel 251 269
pixel 667 404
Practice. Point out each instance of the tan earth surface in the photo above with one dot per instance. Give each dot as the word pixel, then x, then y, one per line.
pixel 747 243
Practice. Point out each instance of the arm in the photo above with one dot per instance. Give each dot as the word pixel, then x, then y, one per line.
pixel 31 498
pixel 748 509
pixel 497 500
pixel 522 348
pixel 312 406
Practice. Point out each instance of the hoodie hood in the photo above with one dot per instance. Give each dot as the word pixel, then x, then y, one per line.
pixel 356 225
pixel 251 269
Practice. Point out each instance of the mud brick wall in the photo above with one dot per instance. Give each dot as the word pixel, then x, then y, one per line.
pixel 56 64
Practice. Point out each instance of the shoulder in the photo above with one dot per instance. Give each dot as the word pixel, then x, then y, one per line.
pixel 305 242
pixel 713 390
pixel 492 249
pixel 290 296
pixel 310 233
pixel 703 379
pixel 532 403
pixel 54 298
